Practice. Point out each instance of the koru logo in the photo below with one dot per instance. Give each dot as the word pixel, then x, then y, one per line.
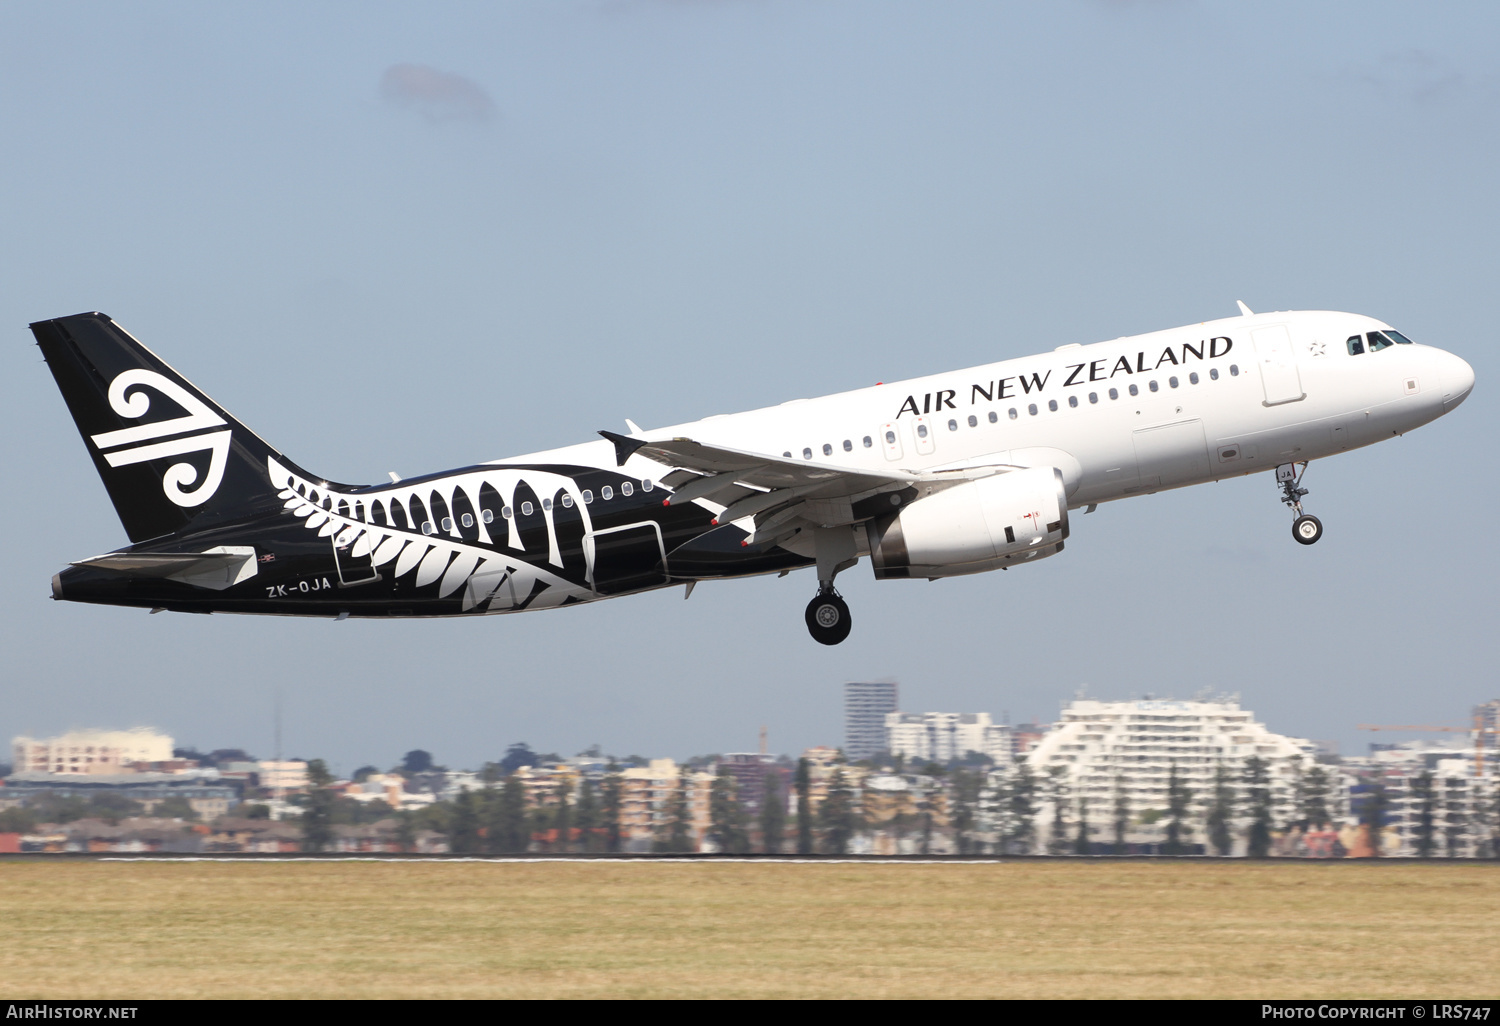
pixel 128 398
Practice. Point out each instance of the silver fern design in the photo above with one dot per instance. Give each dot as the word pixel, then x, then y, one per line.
pixel 368 537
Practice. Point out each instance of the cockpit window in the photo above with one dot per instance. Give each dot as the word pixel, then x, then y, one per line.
pixel 1356 345
pixel 1397 337
pixel 1378 341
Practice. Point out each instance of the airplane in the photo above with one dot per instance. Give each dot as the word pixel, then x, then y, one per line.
pixel 941 476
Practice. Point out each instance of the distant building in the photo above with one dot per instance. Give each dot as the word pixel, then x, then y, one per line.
pixel 283 776
pixel 866 705
pixel 378 787
pixel 1109 754
pixel 944 737
pixel 101 752
pixel 1487 722
pixel 750 771
pixel 545 785
pixel 647 794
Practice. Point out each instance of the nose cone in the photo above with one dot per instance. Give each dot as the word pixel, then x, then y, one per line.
pixel 1458 380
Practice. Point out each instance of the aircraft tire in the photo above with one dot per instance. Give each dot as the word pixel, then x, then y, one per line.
pixel 1307 529
pixel 828 619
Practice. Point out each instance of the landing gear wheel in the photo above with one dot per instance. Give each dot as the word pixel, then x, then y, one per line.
pixel 828 618
pixel 1307 529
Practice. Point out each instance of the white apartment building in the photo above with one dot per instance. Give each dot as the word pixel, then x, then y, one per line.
pixel 90 751
pixel 1107 750
pixel 942 737
pixel 1461 798
pixel 282 776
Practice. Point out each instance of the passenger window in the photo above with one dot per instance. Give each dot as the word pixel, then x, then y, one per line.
pixel 447 523
pixel 787 455
pixel 827 449
pixel 952 425
pixel 1114 393
pixel 626 488
pixel 1172 381
pixel 1213 373
pixel 868 443
pixel 1052 405
pixel 973 421
pixel 507 512
pixel 1012 413
pixel 646 486
pixel 806 454
pixel 1073 401
pixel 606 493
pixel 567 501
pixel 427 527
pixel 1397 337
pixel 1193 378
pixel 588 497
pixel 1134 390
pixel 1093 397
pixel 890 438
pixel 467 520
pixel 1153 386
pixel 1378 341
pixel 994 417
pixel 1356 345
pixel 527 508
pixel 547 505
pixel 1234 370
pixel 921 430
pixel 488 516
pixel 848 445
pixel 1031 409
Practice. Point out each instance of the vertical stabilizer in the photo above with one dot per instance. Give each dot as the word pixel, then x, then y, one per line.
pixel 170 457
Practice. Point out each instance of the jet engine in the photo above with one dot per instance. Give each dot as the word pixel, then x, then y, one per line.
pixel 973 527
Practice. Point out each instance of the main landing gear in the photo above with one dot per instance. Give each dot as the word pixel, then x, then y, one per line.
pixel 1307 528
pixel 828 618
pixel 827 614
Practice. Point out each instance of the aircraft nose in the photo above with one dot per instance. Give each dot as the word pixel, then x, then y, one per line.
pixel 1458 380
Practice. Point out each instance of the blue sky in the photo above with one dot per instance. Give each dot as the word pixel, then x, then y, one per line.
pixel 408 237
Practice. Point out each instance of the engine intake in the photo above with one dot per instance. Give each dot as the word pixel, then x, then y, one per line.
pixel 973 527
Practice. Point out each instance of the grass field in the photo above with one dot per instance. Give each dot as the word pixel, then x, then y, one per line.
pixel 644 929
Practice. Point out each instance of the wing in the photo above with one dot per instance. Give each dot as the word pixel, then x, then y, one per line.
pixel 781 494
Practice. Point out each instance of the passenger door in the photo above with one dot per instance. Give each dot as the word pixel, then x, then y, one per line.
pixel 1278 365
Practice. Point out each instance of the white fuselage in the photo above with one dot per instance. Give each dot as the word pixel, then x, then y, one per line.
pixel 1212 400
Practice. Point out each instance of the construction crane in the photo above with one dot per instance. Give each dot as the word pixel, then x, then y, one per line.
pixel 1478 730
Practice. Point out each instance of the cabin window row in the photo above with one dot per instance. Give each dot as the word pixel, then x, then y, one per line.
pixel 1032 409
pixel 377 514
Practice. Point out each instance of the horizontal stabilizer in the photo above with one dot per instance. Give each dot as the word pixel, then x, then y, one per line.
pixel 216 569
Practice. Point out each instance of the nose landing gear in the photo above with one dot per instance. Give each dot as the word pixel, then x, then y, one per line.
pixel 1306 529
pixel 828 618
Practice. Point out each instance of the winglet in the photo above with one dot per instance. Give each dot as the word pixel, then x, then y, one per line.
pixel 624 447
pixel 1244 310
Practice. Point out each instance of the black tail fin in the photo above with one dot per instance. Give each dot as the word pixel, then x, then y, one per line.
pixel 170 457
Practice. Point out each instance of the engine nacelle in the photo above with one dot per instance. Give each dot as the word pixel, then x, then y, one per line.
pixel 973 527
